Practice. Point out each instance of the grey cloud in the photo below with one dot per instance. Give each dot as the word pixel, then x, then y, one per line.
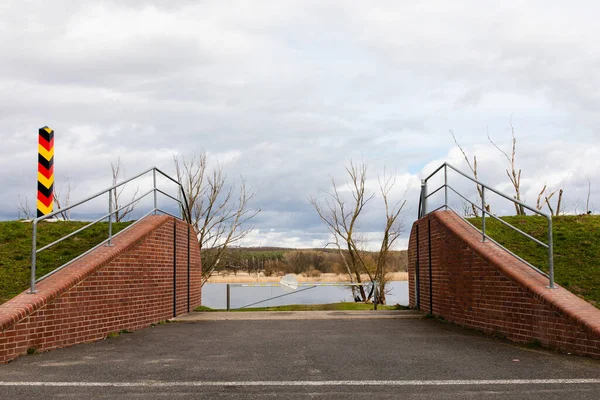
pixel 295 89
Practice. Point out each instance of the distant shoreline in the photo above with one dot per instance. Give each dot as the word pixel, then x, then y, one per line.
pixel 245 277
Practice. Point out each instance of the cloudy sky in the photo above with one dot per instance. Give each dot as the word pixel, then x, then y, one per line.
pixel 285 93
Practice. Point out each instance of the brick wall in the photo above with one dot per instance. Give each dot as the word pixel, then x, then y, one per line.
pixel 126 286
pixel 480 286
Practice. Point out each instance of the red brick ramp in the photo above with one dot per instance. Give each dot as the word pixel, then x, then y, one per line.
pixel 124 287
pixel 480 286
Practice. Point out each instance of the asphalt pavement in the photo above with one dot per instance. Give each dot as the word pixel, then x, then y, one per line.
pixel 354 358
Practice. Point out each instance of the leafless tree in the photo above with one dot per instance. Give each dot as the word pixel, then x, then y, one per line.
pixel 544 199
pixel 558 203
pixel 513 174
pixel 391 232
pixel 62 198
pixel 589 191
pixel 473 168
pixel 118 173
pixel 468 210
pixel 219 213
pixel 341 219
pixel 540 202
pixel 23 208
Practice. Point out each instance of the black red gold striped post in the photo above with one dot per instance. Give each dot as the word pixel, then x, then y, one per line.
pixel 45 193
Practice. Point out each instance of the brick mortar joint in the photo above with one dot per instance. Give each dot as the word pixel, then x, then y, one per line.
pixel 23 309
pixel 575 310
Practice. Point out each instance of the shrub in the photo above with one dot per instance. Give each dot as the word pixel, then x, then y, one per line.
pixel 314 273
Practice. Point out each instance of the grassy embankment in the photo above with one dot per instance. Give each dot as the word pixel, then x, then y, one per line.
pixel 314 307
pixel 576 249
pixel 15 250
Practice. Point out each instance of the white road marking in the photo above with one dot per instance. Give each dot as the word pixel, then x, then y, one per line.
pixel 469 382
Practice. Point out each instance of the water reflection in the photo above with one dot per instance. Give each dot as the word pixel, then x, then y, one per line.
pixel 214 295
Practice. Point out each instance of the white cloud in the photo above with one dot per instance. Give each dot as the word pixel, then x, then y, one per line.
pixel 286 92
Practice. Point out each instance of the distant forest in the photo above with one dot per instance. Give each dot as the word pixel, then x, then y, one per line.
pixel 310 262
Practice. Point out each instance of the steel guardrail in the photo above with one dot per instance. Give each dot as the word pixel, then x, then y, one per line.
pixel 183 206
pixel 423 211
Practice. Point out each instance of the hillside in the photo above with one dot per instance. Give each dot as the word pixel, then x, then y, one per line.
pixel 15 250
pixel 576 248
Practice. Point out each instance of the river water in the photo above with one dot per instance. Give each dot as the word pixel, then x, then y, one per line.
pixel 214 295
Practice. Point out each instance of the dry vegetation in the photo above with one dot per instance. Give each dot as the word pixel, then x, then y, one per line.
pixel 318 265
pixel 245 277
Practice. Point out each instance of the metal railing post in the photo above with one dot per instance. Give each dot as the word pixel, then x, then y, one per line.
pixel 446 186
pixel 483 213
pixel 154 180
pixel 184 205
pixel 424 196
pixel 113 208
pixel 110 213
pixel 182 211
pixel 228 297
pixel 33 257
pixel 550 255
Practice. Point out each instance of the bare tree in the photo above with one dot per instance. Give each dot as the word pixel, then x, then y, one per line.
pixel 62 198
pixel 341 219
pixel 513 175
pixel 540 202
pixel 544 199
pixel 218 214
pixel 473 168
pixel 391 232
pixel 558 203
pixel 121 212
pixel 589 191
pixel 468 210
pixel 23 208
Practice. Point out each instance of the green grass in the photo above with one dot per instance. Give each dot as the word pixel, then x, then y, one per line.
pixel 15 250
pixel 313 307
pixel 576 248
pixel 116 334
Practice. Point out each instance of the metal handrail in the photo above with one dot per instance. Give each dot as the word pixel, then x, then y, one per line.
pixel 498 219
pixel 423 211
pixel 184 207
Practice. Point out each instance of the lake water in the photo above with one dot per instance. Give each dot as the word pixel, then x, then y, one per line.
pixel 214 295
